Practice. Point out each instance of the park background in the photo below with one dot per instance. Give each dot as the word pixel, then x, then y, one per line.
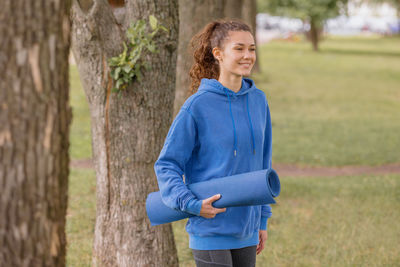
pixel 336 123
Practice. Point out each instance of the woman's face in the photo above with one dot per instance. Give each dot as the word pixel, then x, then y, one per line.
pixel 238 55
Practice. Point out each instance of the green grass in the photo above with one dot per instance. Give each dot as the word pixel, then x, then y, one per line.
pixel 80 135
pixel 337 107
pixel 319 221
pixel 81 215
pixel 340 221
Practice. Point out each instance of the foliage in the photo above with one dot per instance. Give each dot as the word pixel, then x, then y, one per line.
pixel 127 66
pixel 307 10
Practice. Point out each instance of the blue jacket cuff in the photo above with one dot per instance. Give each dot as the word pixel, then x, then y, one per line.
pixel 263 224
pixel 194 206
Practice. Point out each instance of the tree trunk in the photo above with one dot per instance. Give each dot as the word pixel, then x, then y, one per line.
pixel 193 16
pixel 233 9
pixel 128 131
pixel 249 13
pixel 34 132
pixel 314 36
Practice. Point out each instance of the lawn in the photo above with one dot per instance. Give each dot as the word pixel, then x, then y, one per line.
pixel 338 107
pixel 81 141
pixel 318 221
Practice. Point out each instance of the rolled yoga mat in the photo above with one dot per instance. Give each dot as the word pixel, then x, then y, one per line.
pixel 245 189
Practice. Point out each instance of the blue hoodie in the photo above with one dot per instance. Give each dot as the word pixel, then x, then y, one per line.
pixel 217 133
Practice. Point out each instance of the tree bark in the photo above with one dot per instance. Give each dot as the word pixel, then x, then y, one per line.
pixel 314 36
pixel 127 132
pixel 34 132
pixel 233 9
pixel 249 13
pixel 193 16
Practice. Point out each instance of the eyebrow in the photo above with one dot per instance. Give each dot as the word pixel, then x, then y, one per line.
pixel 243 44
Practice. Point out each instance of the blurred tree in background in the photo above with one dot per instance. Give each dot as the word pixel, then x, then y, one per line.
pixel 192 18
pixel 313 12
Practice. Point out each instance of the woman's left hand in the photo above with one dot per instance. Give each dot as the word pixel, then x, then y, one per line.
pixel 263 236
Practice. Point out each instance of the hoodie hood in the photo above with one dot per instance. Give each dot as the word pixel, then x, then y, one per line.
pixel 213 85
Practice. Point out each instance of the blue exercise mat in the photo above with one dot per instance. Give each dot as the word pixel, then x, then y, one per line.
pixel 245 189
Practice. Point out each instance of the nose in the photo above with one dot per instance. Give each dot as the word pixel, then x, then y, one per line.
pixel 247 54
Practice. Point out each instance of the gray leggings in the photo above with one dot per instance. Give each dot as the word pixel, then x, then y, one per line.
pixel 241 257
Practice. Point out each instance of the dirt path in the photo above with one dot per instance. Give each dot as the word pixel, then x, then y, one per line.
pixel 294 170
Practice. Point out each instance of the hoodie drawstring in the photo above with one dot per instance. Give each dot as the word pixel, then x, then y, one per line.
pixel 251 125
pixel 233 123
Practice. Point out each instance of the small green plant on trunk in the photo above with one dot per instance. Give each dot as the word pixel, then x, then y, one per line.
pixel 127 66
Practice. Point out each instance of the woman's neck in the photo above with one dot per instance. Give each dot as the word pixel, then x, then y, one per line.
pixel 232 82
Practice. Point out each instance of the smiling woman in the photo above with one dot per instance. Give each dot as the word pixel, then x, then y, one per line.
pixel 225 51
pixel 236 58
pixel 222 129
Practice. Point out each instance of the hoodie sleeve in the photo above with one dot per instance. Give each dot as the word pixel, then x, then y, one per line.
pixel 266 211
pixel 169 167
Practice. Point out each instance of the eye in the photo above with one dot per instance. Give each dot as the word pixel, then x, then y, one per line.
pixel 251 49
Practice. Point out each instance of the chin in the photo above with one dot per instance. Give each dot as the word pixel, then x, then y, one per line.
pixel 246 73
pixel 242 72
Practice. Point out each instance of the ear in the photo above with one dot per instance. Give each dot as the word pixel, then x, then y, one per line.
pixel 216 52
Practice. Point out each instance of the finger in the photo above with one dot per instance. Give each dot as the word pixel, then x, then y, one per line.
pixel 220 210
pixel 213 198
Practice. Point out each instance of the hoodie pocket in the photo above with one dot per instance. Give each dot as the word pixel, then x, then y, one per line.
pixel 239 222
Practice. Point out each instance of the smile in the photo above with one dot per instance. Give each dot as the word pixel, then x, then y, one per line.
pixel 245 64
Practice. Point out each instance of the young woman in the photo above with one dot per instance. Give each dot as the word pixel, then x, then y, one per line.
pixel 222 129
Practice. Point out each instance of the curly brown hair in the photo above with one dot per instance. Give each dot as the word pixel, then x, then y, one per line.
pixel 202 44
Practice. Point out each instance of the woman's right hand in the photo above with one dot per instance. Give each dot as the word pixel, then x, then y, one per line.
pixel 207 210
